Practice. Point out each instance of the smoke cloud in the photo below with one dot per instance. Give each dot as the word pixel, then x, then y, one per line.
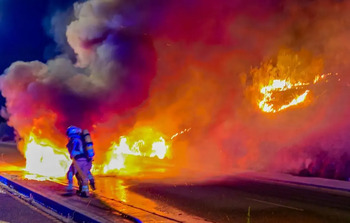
pixel 196 64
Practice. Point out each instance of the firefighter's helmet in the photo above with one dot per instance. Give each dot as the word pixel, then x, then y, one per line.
pixel 73 130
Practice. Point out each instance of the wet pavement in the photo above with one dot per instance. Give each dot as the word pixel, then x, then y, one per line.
pixel 116 192
pixel 231 199
pixel 254 197
pixel 111 202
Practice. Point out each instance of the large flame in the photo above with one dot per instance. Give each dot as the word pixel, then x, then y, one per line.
pixel 127 157
pixel 44 158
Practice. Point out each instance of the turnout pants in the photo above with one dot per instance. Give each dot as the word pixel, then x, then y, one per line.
pixel 80 168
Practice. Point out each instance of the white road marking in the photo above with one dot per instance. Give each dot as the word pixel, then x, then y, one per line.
pixel 275 204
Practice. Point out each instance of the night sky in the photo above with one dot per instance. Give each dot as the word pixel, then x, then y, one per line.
pixel 24 34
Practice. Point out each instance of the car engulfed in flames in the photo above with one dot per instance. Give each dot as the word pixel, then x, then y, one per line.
pixel 142 150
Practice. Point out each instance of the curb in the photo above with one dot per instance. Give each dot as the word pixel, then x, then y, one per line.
pixel 312 185
pixel 305 181
pixel 54 206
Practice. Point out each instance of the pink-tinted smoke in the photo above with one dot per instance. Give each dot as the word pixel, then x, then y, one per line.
pixel 180 64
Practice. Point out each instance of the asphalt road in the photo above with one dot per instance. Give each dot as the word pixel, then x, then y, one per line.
pixel 231 199
pixel 241 200
pixel 14 210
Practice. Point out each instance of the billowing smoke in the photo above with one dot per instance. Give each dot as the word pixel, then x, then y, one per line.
pixel 113 73
pixel 198 64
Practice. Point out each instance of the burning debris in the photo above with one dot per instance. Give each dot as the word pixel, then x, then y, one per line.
pixel 144 70
pixel 289 82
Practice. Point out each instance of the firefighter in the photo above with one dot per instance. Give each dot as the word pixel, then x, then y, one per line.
pixel 80 163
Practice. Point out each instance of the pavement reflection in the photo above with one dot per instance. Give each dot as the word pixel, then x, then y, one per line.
pixel 116 192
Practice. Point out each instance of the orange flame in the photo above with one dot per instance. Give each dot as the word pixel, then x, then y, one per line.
pixel 139 151
pixel 287 81
pixel 126 157
pixel 266 104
